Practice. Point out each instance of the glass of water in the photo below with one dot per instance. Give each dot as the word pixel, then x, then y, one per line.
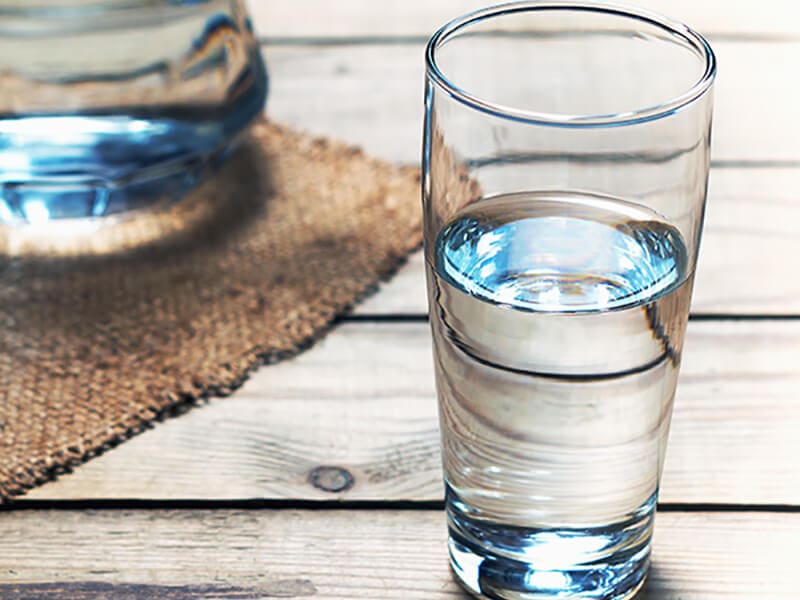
pixel 565 165
pixel 114 106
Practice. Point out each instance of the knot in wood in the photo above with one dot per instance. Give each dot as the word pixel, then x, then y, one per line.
pixel 331 479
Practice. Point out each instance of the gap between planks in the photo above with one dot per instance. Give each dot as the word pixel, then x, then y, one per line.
pixel 355 18
pixel 337 504
pixel 323 41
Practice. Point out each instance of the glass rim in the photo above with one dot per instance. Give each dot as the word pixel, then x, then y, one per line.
pixel 650 113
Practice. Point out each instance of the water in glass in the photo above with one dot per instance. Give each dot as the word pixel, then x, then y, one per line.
pixel 558 321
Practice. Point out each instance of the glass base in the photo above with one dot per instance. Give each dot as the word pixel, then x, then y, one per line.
pixel 502 562
pixel 503 579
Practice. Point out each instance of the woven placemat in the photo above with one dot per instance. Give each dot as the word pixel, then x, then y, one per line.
pixel 107 330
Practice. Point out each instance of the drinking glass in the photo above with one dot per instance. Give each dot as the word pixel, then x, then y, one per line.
pixel 565 168
pixel 115 106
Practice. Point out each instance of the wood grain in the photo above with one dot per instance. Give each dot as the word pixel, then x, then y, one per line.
pixel 348 18
pixel 371 95
pixel 345 555
pixel 362 404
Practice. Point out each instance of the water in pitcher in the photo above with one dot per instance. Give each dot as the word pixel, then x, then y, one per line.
pixel 113 105
pixel 558 321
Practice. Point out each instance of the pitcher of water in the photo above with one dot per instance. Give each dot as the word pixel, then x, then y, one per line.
pixel 113 105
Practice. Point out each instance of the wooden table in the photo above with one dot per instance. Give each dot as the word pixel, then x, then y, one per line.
pixel 321 476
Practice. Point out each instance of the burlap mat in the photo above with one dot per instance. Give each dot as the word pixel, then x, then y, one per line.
pixel 105 332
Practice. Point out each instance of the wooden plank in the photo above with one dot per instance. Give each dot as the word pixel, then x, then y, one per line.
pixel 348 18
pixel 362 402
pixel 403 294
pixel 749 244
pixel 373 98
pixel 346 554
pixel 371 95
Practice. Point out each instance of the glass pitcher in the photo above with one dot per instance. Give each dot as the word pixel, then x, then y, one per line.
pixel 113 105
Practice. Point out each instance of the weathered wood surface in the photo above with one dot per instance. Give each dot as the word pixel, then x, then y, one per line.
pixel 253 555
pixel 371 95
pixel 352 18
pixel 363 403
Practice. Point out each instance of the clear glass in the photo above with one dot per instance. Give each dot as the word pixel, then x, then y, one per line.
pixel 114 105
pixel 565 165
